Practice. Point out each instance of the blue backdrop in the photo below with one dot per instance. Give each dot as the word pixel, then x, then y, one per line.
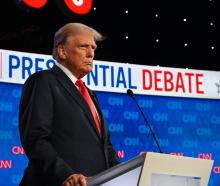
pixel 184 126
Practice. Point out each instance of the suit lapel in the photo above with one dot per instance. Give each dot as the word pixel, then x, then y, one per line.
pixel 75 94
pixel 102 120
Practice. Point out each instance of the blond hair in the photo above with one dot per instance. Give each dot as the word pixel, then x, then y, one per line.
pixel 72 29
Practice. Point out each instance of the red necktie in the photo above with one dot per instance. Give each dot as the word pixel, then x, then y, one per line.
pixel 83 90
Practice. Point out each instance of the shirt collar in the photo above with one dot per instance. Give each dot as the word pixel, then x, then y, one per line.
pixel 67 72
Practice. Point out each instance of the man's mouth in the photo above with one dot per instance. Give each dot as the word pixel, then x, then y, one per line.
pixel 89 64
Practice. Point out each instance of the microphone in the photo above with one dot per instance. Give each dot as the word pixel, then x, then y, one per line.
pixel 131 94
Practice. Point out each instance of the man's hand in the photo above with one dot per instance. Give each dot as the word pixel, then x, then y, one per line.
pixel 75 180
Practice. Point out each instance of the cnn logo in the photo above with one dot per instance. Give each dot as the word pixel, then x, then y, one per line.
pixel 75 6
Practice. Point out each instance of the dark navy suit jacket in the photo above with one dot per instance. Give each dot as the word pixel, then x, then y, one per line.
pixel 58 132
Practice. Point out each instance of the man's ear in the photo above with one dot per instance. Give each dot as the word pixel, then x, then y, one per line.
pixel 61 52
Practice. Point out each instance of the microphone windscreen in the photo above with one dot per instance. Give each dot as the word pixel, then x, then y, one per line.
pixel 130 93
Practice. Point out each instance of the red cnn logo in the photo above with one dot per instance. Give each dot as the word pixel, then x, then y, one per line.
pixel 67 6
pixel 79 6
pixel 35 3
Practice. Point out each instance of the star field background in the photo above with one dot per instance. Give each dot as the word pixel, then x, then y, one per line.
pixel 170 33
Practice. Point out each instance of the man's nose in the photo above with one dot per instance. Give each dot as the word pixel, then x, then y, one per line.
pixel 90 52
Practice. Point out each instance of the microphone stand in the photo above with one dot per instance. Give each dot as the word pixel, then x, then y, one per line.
pixel 131 94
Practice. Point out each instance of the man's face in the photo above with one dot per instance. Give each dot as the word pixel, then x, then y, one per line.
pixel 80 52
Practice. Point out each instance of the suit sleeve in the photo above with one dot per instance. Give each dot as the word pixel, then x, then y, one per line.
pixel 112 154
pixel 36 126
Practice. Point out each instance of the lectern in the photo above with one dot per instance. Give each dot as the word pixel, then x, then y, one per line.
pixel 156 169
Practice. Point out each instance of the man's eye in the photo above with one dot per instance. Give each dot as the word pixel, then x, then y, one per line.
pixel 82 46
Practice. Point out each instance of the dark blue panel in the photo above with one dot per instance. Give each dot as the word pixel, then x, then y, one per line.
pixel 183 126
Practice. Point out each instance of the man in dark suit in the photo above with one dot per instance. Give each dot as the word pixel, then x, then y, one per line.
pixel 63 134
